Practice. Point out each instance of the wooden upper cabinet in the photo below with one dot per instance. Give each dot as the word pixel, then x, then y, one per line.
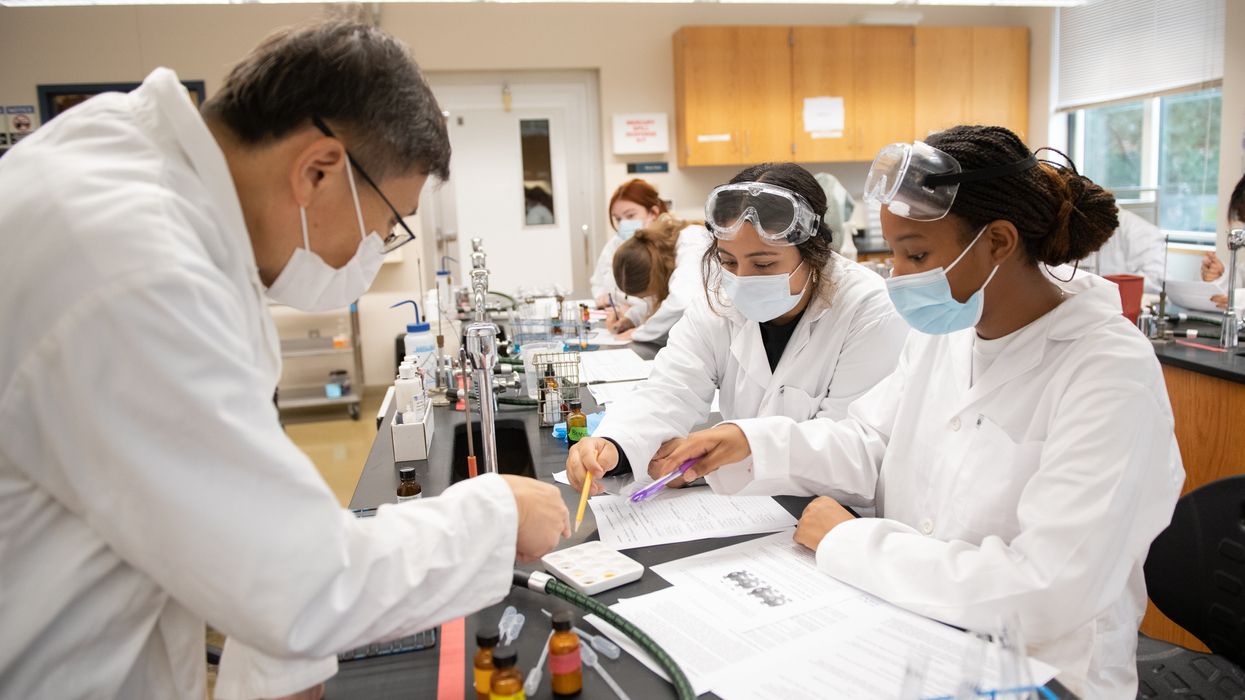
pixel 942 78
pixel 972 75
pixel 708 109
pixel 1001 77
pixel 870 68
pixel 822 66
pixel 732 88
pixel 764 85
pixel 740 91
pixel 885 104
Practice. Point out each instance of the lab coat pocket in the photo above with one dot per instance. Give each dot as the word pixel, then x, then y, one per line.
pixel 990 480
pixel 797 404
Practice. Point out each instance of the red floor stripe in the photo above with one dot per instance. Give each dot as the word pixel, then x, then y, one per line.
pixel 452 674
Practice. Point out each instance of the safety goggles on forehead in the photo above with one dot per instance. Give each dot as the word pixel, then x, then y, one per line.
pixel 919 182
pixel 780 216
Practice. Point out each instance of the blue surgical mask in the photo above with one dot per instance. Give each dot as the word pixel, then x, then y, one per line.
pixel 628 227
pixel 762 298
pixel 924 299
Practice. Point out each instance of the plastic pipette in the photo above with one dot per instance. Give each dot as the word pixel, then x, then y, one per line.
pixel 510 625
pixel 591 661
pixel 532 682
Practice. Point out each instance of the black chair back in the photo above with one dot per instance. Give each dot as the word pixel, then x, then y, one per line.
pixel 1195 571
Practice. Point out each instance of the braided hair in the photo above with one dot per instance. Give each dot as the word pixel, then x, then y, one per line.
pixel 1061 216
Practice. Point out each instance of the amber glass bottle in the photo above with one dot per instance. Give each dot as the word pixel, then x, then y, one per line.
pixel 566 667
pixel 507 683
pixel 408 487
pixel 576 423
pixel 482 664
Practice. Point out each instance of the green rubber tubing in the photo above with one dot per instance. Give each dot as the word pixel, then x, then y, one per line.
pixel 557 589
pixel 511 400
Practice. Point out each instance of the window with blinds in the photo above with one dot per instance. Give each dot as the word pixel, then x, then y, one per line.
pixel 1111 50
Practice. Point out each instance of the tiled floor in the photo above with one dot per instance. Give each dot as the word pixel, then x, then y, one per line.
pixel 337 444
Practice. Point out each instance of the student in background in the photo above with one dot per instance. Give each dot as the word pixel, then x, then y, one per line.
pixel 660 265
pixel 1212 266
pixel 1137 247
pixel 634 205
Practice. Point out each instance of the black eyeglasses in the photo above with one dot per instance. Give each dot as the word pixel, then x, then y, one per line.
pixel 394 240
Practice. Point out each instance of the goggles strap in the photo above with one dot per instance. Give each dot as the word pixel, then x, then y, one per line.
pixel 1075 267
pixel 936 180
pixel 1067 163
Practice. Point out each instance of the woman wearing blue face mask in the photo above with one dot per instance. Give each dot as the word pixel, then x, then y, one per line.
pixel 783 326
pixel 659 265
pixel 1022 456
pixel 634 205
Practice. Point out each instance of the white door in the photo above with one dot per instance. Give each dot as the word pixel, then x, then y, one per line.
pixel 524 178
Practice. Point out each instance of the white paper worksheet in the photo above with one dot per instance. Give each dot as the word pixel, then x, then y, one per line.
pixel 609 393
pixel 758 620
pixel 603 338
pixel 614 366
pixel 683 515
pixel 1193 295
pixel 760 581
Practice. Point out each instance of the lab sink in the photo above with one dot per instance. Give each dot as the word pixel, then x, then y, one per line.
pixel 514 452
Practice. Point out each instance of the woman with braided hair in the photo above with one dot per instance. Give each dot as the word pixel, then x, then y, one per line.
pixel 1022 457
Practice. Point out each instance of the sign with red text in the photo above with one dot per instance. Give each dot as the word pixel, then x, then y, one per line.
pixel 641 133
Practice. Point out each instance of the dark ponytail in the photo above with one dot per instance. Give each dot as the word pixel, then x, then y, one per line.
pixel 1061 216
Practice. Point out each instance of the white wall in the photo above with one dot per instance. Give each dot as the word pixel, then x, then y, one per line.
pixel 629 46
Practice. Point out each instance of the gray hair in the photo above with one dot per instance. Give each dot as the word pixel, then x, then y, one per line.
pixel 361 81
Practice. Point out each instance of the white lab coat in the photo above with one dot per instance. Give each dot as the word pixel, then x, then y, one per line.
pixel 838 352
pixel 603 283
pixel 1137 247
pixel 145 483
pixel 685 286
pixel 1035 492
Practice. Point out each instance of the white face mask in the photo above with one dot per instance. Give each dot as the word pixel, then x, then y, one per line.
pixel 628 227
pixel 762 298
pixel 309 284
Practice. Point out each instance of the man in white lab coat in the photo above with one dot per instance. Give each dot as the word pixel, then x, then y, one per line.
pixel 1022 457
pixel 1137 247
pixel 145 483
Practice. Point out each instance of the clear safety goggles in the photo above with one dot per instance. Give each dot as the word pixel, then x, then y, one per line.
pixel 919 182
pixel 781 217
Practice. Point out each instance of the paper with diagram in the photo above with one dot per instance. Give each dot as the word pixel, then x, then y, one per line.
pixel 758 620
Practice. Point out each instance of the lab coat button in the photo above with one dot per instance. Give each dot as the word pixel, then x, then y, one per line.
pixel 927 525
pixel 955 423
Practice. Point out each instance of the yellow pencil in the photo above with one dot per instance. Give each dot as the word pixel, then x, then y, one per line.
pixel 583 500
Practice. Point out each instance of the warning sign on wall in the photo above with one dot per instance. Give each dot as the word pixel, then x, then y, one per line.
pixel 641 133
pixel 21 121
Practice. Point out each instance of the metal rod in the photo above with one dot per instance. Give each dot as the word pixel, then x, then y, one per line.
pixel 482 350
pixel 471 449
pixel 1228 326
